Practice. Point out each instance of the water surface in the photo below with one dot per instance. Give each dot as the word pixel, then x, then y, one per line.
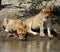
pixel 30 46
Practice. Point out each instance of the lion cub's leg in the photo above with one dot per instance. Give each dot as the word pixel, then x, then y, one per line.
pixel 29 29
pixel 41 29
pixel 49 32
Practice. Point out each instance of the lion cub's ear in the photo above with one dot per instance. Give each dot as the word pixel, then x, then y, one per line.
pixel 23 23
pixel 47 7
pixel 6 20
pixel 44 6
pixel 51 8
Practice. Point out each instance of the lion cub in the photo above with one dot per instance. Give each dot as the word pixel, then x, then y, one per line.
pixel 15 25
pixel 37 21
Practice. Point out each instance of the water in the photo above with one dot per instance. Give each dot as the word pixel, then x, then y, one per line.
pixel 30 46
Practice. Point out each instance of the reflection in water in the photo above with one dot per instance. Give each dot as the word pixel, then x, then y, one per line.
pixel 42 46
pixel 30 46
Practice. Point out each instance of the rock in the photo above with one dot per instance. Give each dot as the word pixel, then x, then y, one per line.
pixel 14 2
pixel 52 2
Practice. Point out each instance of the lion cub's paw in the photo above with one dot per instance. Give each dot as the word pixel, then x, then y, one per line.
pixel 50 36
pixel 42 34
pixel 35 33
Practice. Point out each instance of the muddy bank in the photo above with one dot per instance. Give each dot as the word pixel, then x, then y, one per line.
pixel 13 37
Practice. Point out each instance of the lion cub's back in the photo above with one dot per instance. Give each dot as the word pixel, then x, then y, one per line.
pixel 15 23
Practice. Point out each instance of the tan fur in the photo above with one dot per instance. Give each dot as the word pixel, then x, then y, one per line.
pixel 15 25
pixel 37 21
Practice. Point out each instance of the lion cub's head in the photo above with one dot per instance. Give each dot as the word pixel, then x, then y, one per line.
pixel 47 9
pixel 21 32
pixel 15 25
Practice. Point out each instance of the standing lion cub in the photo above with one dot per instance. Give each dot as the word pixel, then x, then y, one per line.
pixel 15 25
pixel 37 21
